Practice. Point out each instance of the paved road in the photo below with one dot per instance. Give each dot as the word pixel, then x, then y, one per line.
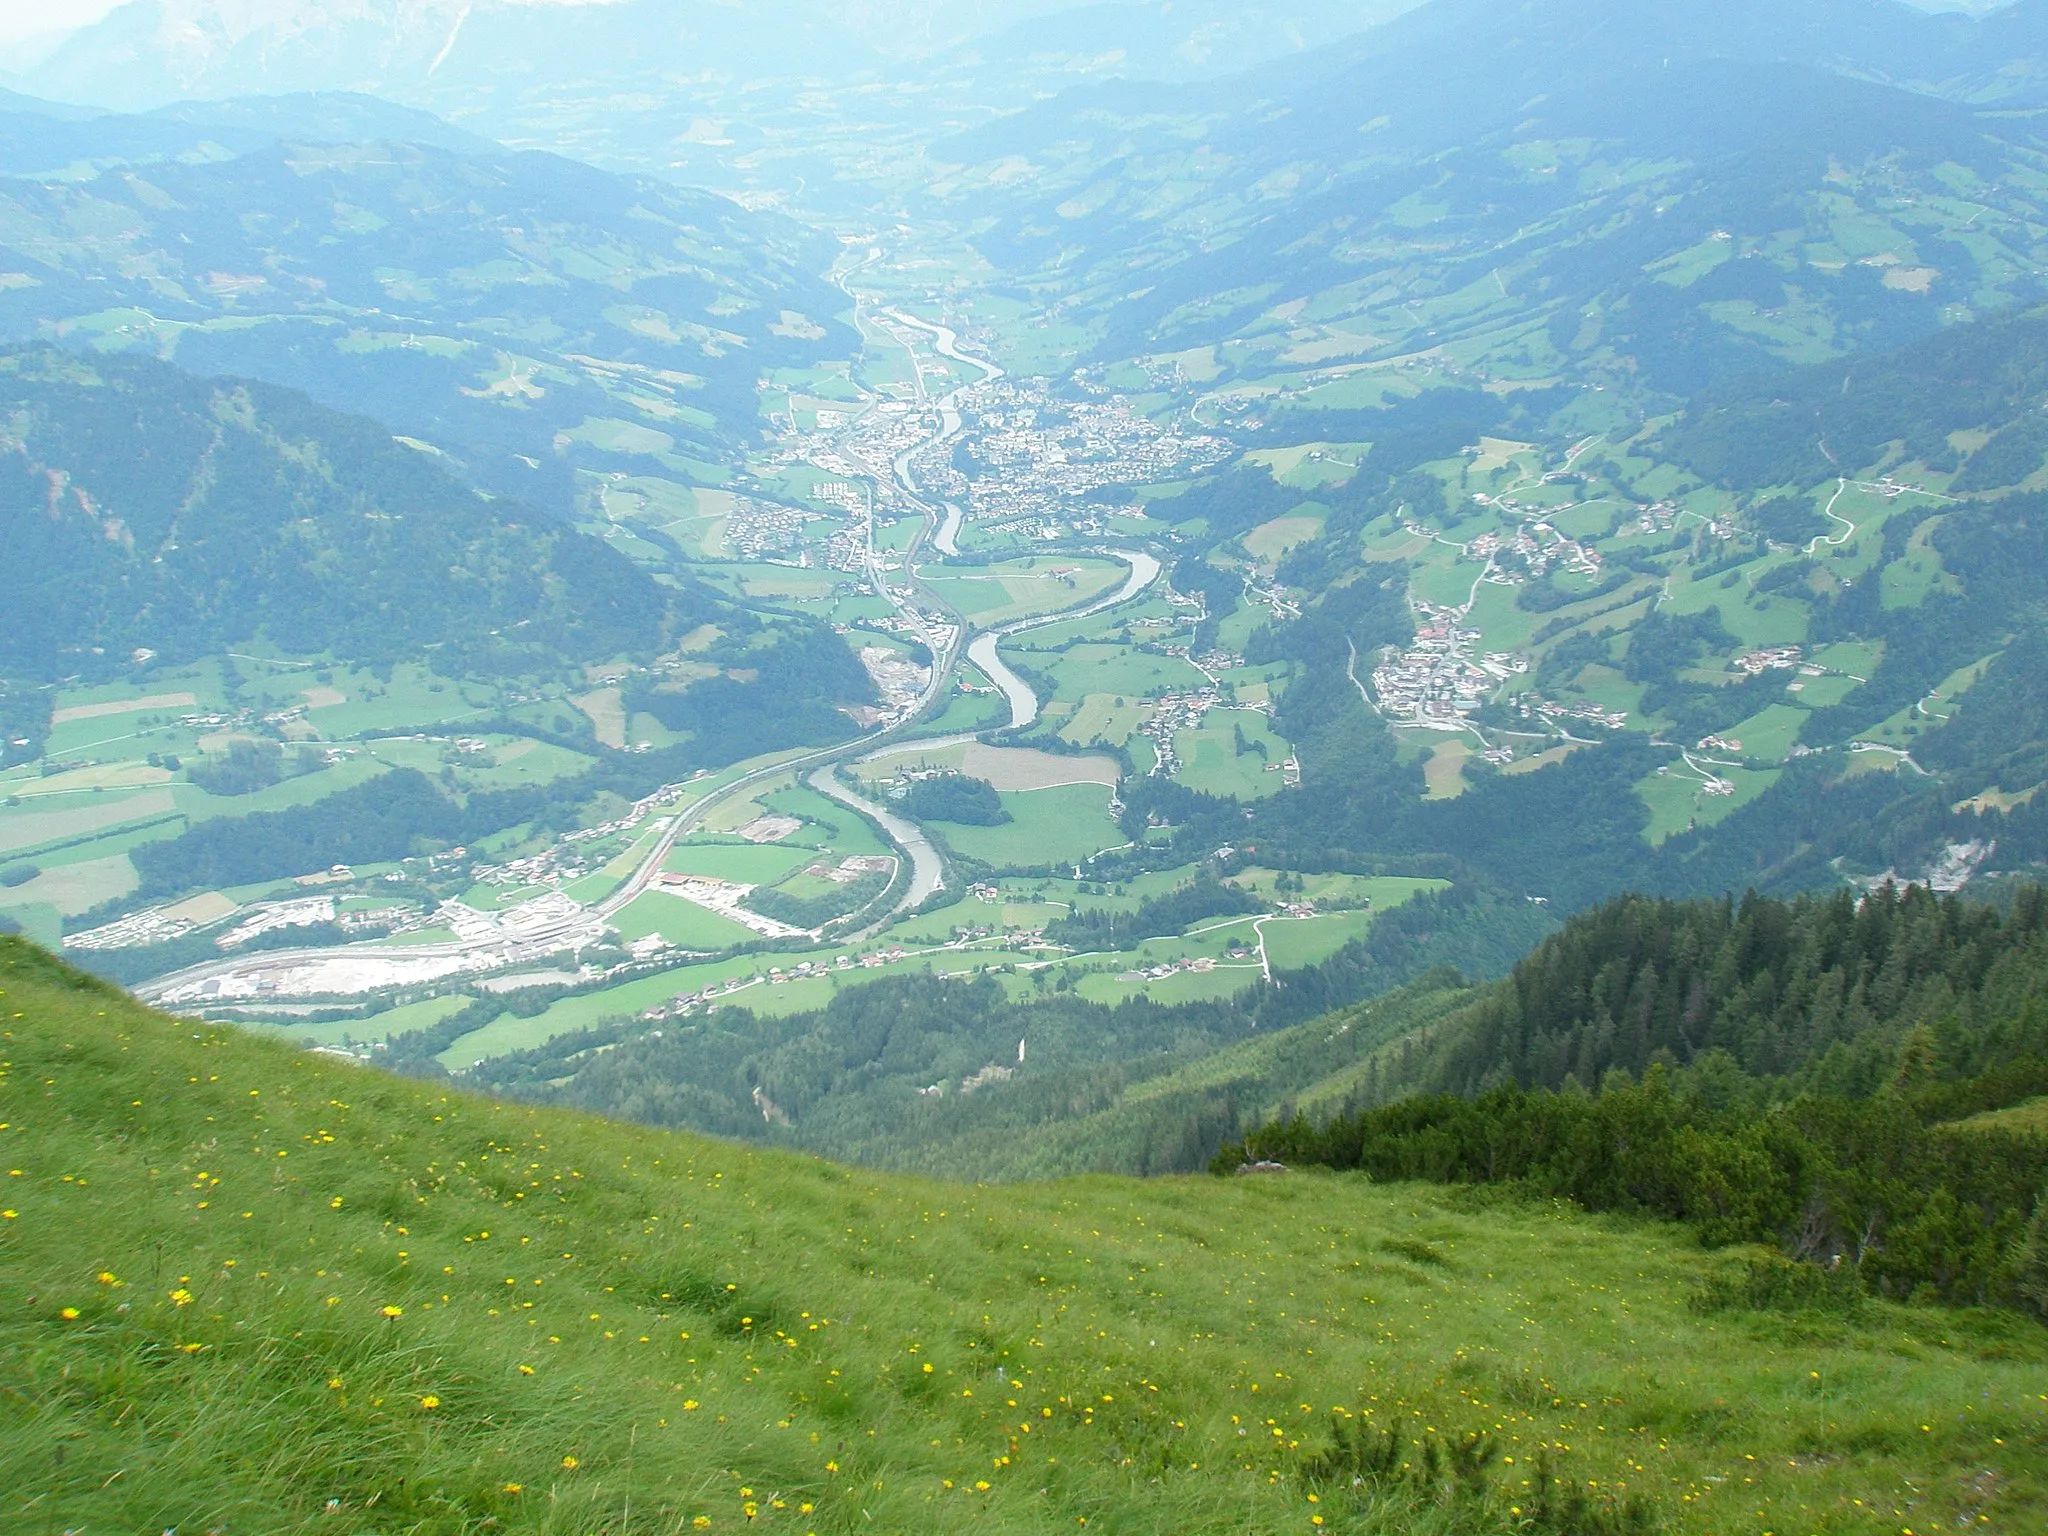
pixel 927 870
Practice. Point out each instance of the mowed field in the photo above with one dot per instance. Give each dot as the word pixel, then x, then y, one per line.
pixel 1025 768
pixel 43 819
pixel 1105 718
pixel 1047 827
pixel 1020 589
pixel 433 1312
pixel 1114 671
pixel 1212 763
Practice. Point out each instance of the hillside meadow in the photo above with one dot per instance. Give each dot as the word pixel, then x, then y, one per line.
pixel 244 1288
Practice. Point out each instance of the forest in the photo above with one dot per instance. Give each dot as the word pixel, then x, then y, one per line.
pixel 955 797
pixel 784 686
pixel 146 509
pixel 1800 1073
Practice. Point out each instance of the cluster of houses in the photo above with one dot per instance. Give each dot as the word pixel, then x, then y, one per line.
pixel 1777 658
pixel 756 529
pixel 571 856
pixel 1047 454
pixel 1436 681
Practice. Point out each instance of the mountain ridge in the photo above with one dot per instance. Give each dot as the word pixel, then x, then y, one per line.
pixel 180 516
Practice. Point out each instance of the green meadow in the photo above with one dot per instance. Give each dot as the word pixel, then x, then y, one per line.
pixel 249 1289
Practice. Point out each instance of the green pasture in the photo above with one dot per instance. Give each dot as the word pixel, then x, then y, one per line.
pixel 1070 1327
pixel 741 863
pixel 683 923
pixel 1212 763
pixel 1677 799
pixel 1118 671
pixel 1104 717
pixel 1047 826
pixel 1295 943
pixel 1018 589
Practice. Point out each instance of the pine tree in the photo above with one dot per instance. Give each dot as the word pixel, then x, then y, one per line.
pixel 2031 1283
pixel 1917 1060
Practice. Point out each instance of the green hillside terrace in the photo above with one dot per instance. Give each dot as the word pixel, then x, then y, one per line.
pixel 244 1288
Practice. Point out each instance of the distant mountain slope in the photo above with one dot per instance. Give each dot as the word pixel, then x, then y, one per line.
pixel 1805 426
pixel 1167 39
pixel 143 508
pixel 496 305
pixel 1547 186
pixel 40 138
pixel 156 50
pixel 1880 673
pixel 148 52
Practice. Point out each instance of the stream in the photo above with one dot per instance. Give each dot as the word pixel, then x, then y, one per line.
pixel 927 874
pixel 983 652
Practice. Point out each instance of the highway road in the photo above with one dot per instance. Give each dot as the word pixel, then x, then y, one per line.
pixel 272 973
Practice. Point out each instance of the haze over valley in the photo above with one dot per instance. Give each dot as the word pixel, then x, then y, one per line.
pixel 1437 603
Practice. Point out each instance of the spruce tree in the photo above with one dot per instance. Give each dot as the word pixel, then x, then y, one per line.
pixel 2031 1283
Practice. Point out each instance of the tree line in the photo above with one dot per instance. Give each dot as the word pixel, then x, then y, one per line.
pixel 1801 1073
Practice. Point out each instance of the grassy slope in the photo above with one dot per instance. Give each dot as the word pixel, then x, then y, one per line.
pixel 317 1284
pixel 2030 1116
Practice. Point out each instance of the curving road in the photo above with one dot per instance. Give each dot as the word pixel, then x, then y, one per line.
pixel 449 960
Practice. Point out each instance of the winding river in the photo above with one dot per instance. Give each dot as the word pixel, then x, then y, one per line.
pixel 927 872
pixel 927 869
pixel 984 653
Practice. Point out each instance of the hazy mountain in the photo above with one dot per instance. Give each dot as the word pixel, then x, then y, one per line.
pixel 39 138
pixel 487 302
pixel 144 507
pixel 1565 145
pixel 152 51
pixel 1168 39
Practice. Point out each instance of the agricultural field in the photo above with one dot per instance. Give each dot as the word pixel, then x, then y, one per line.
pixel 1020 589
pixel 1232 752
pixel 1047 827
pixel 1110 671
pixel 1108 718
